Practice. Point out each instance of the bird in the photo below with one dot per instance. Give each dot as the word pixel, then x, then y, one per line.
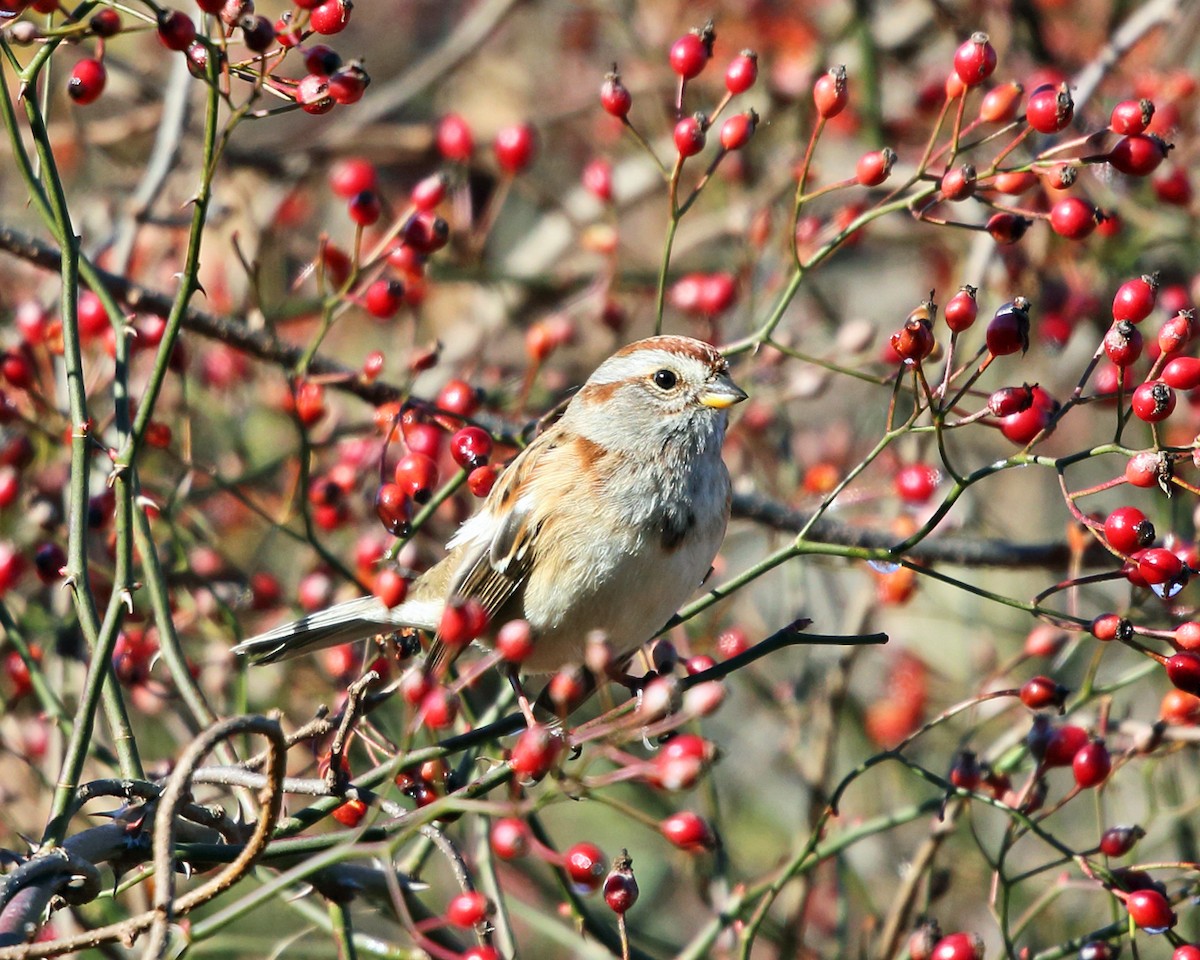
pixel 604 525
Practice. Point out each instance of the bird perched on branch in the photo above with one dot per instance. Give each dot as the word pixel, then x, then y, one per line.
pixel 607 522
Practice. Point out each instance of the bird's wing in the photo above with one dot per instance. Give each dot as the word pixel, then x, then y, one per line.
pixel 496 553
pixel 342 623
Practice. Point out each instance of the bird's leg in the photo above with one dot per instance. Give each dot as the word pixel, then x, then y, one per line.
pixel 514 678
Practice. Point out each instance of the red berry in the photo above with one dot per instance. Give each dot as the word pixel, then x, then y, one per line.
pixel 1064 743
pixel 461 622
pixel 87 81
pixel 324 61
pixel 732 642
pixel 438 710
pixel 481 480
pixel 830 93
pixel 1188 951
pixel 1049 110
pixel 620 887
pixel 688 831
pixel 105 22
pixel 975 60
pixel 1128 529
pixel 1110 626
pixel 515 641
pixel 384 298
pixel 351 813
pixel 962 309
pixel 1123 343
pixel 738 129
pixel 1150 910
pixel 454 139
pixel 681 761
pixel 959 183
pixel 965 772
pixel 458 397
pixel 690 135
pixel 470 447
pixel 348 84
pixel 999 105
pixel 1131 117
pixel 390 587
pixel 351 176
pixel 481 952
pixel 1144 469
pixel 689 54
pixel 916 482
pixel 468 909
pixel 1173 336
pixel 1187 635
pixel 614 97
pixel 1173 186
pixel 1073 218
pixel 597 179
pixel 176 30
pixel 1008 401
pixel 417 476
pixel 1091 764
pixel 1183 670
pixel 1153 401
pixel 742 72
pixel 510 838
pixel 330 17
pixel 1138 155
pixel 1158 565
pixel 585 865
pixel 1008 330
pixel 1039 693
pixel 394 509
pixel 257 33
pixel 1134 299
pixel 958 946
pixel 428 193
pixel 365 208
pixel 1118 841
pixel 515 147
pixel 1006 228
pixel 312 93
pixel 875 167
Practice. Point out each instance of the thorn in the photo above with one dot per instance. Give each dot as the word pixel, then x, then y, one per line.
pixel 127 599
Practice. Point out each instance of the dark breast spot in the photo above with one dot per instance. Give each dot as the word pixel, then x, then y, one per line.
pixel 675 527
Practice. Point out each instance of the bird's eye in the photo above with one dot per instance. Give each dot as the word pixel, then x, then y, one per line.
pixel 665 379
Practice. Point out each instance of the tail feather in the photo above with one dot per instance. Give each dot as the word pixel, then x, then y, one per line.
pixel 357 619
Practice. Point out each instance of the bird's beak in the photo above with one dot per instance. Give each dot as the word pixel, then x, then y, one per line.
pixel 722 392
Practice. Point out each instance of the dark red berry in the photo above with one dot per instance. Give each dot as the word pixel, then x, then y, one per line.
pixel 1006 228
pixel 620 887
pixel 87 81
pixel 1118 841
pixel 323 61
pixel 1091 764
pixel 365 208
pixel 176 30
pixel 105 22
pixel 1063 744
pixel 348 84
pixel 1138 155
pixel 1008 331
pixel 1039 693
pixel 257 32
pixel 1183 670
pixel 394 509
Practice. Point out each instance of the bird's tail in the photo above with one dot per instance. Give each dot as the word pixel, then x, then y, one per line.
pixel 357 619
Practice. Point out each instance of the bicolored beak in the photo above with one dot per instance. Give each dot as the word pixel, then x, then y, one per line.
pixel 721 392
